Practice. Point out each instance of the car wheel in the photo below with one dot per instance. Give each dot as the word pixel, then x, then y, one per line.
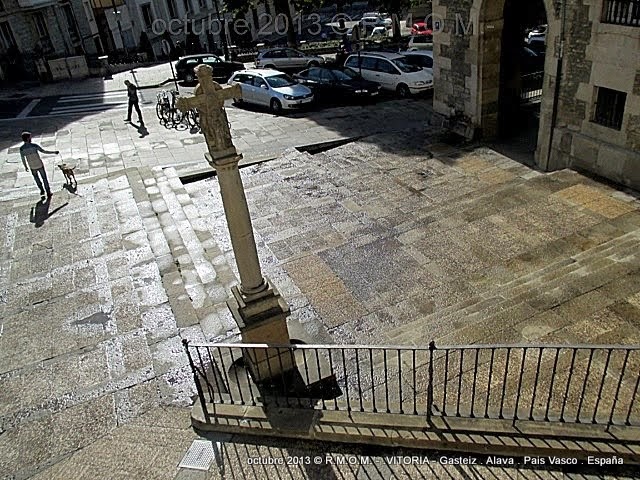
pixel 403 91
pixel 189 78
pixel 276 106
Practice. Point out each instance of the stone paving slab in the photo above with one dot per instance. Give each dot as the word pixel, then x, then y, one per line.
pixel 369 243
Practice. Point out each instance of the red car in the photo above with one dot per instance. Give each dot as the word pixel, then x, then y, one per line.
pixel 421 28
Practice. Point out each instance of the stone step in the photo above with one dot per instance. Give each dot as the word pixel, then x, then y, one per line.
pixel 529 294
pixel 143 185
pixel 195 272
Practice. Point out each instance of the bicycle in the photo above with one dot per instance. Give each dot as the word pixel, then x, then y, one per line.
pixel 166 109
pixel 192 118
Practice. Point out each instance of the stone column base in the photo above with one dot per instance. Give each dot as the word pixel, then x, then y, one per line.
pixel 262 319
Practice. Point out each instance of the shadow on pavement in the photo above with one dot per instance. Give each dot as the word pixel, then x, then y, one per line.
pixel 40 211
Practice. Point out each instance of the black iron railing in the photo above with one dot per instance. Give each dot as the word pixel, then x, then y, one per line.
pixel 621 12
pixel 531 87
pixel 550 383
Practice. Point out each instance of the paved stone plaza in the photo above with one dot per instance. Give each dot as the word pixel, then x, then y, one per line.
pixel 394 239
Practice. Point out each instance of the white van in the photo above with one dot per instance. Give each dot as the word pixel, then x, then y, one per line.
pixel 391 71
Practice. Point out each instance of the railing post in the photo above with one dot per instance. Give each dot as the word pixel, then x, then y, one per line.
pixel 185 342
pixel 432 347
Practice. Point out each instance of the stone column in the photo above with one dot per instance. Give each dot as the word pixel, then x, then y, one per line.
pixel 239 222
pixel 257 306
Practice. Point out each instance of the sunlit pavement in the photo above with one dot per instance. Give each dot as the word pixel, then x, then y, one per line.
pixel 395 238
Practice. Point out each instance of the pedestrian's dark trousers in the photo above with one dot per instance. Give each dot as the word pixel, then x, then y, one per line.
pixel 137 107
pixel 41 173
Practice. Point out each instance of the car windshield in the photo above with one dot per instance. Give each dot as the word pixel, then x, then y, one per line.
pixel 345 74
pixel 281 80
pixel 404 66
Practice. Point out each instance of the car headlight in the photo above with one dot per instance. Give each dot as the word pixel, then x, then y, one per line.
pixel 289 97
pixel 361 91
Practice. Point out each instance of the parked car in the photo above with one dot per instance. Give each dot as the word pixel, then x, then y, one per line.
pixel 286 58
pixel 372 22
pixel 222 69
pixel 272 89
pixel 379 33
pixel 337 83
pixel 420 58
pixel 421 28
pixel 531 61
pixel 420 42
pixel 537 42
pixel 539 30
pixel 391 71
pixel 536 39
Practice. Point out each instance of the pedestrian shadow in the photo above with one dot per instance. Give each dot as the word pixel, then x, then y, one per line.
pixel 40 212
pixel 142 130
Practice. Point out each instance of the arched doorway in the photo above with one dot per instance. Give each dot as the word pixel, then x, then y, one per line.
pixel 516 73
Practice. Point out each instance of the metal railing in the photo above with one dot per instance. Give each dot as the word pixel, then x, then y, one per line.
pixel 595 384
pixel 531 87
pixel 621 12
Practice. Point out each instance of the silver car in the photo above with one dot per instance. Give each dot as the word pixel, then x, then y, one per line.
pixel 286 58
pixel 271 88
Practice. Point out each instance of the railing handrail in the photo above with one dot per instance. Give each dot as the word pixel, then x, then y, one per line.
pixel 411 347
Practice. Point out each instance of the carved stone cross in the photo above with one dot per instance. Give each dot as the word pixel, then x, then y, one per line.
pixel 209 101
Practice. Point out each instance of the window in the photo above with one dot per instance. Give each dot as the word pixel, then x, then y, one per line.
pixel 258 82
pixel 88 12
pixel 147 15
pixel 313 73
pixel 420 60
pixel 352 62
pixel 41 25
pixel 610 108
pixel 243 78
pixel 172 8
pixel 7 39
pixel 621 12
pixel 369 63
pixel 385 67
pixel 326 75
pixel 71 23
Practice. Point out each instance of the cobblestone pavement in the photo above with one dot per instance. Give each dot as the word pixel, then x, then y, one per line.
pixel 102 143
pixel 392 239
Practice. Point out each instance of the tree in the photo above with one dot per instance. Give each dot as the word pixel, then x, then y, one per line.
pixel 395 7
pixel 281 8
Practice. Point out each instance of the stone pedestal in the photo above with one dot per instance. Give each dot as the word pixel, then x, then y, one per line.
pixel 263 320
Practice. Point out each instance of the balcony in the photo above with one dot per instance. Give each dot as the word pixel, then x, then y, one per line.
pixel 621 12
pixel 102 4
pixel 32 4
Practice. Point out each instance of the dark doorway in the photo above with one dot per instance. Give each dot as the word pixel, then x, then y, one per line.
pixel 522 57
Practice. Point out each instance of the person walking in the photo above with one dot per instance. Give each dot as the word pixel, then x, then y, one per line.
pixel 132 93
pixel 30 153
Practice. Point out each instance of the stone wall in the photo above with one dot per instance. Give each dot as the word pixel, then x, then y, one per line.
pixel 595 54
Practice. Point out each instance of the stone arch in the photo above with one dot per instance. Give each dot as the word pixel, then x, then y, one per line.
pixel 485 47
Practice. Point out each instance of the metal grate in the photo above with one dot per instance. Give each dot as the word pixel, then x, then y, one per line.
pixel 199 456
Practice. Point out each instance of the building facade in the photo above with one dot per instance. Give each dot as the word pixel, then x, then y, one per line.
pixel 590 106
pixel 36 30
